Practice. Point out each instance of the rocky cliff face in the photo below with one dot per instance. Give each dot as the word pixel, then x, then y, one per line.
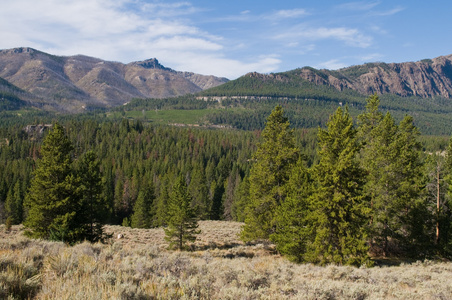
pixel 426 78
pixel 74 83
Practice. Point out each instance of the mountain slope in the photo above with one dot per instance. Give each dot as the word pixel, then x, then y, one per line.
pixel 426 79
pixel 75 83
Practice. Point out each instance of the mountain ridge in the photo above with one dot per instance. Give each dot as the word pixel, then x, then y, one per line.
pixel 74 83
pixel 425 78
pixel 78 83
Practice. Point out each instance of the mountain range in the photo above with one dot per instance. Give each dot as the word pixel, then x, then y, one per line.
pixel 423 79
pixel 79 83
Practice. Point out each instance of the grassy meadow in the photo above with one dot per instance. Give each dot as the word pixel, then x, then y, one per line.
pixel 219 266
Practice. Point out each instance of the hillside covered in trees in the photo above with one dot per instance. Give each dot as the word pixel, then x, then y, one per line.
pixel 336 194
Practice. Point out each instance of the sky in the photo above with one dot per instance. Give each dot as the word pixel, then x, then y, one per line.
pixel 232 38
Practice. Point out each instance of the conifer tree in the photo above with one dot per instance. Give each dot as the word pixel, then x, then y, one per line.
pixel 93 209
pixel 292 231
pixel 339 210
pixel 13 204
pixel 143 208
pixel 181 217
pixel 199 191
pixel 161 202
pixel 52 200
pixel 411 203
pixel 241 197
pixel 274 159
pixel 216 195
pixel 370 119
pixel 444 211
pixel 391 158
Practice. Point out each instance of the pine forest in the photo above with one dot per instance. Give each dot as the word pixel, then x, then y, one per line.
pixel 339 194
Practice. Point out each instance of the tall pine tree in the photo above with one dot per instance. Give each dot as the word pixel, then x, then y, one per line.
pixel 339 210
pixel 93 209
pixel 181 217
pixel 52 200
pixel 143 208
pixel 292 232
pixel 273 161
pixel 392 161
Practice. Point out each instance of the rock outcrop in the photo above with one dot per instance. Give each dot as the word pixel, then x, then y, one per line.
pixel 426 78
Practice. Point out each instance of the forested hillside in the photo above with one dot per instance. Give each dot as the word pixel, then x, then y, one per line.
pixel 214 163
pixel 432 116
pixel 131 155
pixel 275 180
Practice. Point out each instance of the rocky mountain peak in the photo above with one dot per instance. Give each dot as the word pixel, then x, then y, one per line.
pixel 18 50
pixel 151 63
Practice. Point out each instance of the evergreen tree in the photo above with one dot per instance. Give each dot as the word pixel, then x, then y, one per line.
pixel 216 195
pixel 444 210
pixel 370 119
pixel 161 203
pixel 13 204
pixel 412 206
pixel 93 208
pixel 143 208
pixel 199 192
pixel 52 200
pixel 181 217
pixel 241 197
pixel 436 193
pixel 231 184
pixel 339 210
pixel 392 160
pixel 274 158
pixel 292 230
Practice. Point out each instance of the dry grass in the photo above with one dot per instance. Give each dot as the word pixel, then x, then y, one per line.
pixel 219 267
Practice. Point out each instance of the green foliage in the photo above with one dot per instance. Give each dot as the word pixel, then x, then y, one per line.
pixel 444 204
pixel 143 208
pixel 9 101
pixel 92 207
pixel 181 217
pixel 339 210
pixel 53 196
pixel 64 204
pixel 269 174
pixel 217 165
pixel 292 232
pixel 241 195
pixel 391 157
pixel 199 192
pixel 14 205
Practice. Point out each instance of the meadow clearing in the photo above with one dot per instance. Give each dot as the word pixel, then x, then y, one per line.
pixel 219 266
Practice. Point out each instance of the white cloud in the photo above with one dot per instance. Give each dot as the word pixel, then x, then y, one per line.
pixel 390 12
pixel 168 9
pixel 350 36
pixel 121 30
pixel 359 5
pixel 371 57
pixel 184 42
pixel 289 13
pixel 226 67
pixel 332 64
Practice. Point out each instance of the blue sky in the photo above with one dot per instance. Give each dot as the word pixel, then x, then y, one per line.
pixel 232 38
